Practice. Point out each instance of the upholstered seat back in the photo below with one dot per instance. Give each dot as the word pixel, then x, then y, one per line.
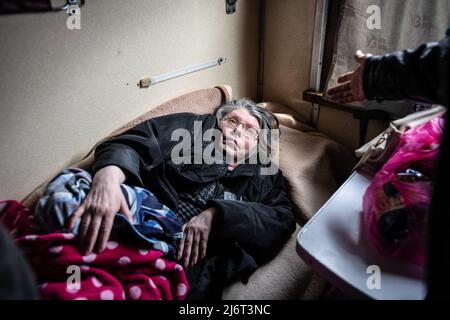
pixel 200 102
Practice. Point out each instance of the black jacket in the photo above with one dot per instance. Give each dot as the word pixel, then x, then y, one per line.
pixel 249 231
pixel 420 74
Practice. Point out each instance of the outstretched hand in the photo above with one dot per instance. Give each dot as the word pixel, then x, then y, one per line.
pixel 350 88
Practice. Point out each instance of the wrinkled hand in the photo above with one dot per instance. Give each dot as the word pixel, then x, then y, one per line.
pixel 97 213
pixel 196 233
pixel 351 89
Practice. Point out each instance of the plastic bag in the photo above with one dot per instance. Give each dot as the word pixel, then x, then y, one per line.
pixel 395 205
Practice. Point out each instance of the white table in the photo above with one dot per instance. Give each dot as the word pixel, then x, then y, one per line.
pixel 333 243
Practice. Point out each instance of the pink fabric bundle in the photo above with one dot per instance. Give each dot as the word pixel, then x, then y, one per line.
pixel 417 152
pixel 120 272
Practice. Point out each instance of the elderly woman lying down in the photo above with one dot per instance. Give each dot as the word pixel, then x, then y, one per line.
pixel 215 173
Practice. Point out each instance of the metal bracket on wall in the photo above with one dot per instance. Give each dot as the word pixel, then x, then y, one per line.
pixel 315 115
pixel 230 6
pixel 69 3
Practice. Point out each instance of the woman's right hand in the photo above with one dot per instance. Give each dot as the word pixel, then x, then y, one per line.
pixel 98 209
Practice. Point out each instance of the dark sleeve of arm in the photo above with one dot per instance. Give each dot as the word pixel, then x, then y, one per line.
pixel 420 74
pixel 259 228
pixel 143 146
pixel 17 281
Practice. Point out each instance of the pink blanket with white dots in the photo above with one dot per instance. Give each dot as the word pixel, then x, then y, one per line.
pixel 121 272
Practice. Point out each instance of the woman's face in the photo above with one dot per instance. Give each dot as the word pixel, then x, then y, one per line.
pixel 240 132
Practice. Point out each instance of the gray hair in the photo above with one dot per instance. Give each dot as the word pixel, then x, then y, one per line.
pixel 267 120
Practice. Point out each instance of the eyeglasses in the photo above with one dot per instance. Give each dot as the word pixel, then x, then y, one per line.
pixel 248 132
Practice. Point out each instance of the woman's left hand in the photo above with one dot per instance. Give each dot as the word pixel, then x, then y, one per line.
pixel 195 237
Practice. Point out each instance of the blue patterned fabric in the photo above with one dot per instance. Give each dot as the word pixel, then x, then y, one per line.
pixel 153 222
